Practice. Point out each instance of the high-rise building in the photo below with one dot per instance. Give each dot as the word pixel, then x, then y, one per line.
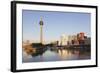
pixel 64 40
pixel 87 41
pixel 81 35
pixel 70 40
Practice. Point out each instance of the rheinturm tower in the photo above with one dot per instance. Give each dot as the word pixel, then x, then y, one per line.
pixel 41 30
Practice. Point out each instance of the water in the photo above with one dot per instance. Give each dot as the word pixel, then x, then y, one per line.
pixel 49 54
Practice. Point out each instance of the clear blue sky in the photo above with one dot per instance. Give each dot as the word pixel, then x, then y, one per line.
pixel 55 24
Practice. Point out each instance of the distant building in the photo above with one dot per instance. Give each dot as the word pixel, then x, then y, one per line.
pixel 81 36
pixel 55 43
pixel 87 41
pixel 76 42
pixel 78 39
pixel 72 40
pixel 63 40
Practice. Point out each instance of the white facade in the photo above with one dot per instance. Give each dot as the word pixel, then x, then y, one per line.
pixel 63 40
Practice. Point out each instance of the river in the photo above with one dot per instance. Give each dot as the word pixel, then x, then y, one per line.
pixel 56 55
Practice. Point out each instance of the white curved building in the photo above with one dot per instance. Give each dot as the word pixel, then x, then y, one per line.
pixel 63 40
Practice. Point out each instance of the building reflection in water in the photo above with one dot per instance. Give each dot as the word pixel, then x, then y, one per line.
pixel 56 54
pixel 63 54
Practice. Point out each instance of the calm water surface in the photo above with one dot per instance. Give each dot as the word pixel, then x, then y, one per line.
pixel 56 55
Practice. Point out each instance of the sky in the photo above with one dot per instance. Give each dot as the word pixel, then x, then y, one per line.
pixel 55 24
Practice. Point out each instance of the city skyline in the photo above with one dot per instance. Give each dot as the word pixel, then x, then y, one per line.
pixel 55 24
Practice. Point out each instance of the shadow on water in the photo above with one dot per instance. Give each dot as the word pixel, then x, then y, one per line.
pixel 34 49
pixel 39 51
